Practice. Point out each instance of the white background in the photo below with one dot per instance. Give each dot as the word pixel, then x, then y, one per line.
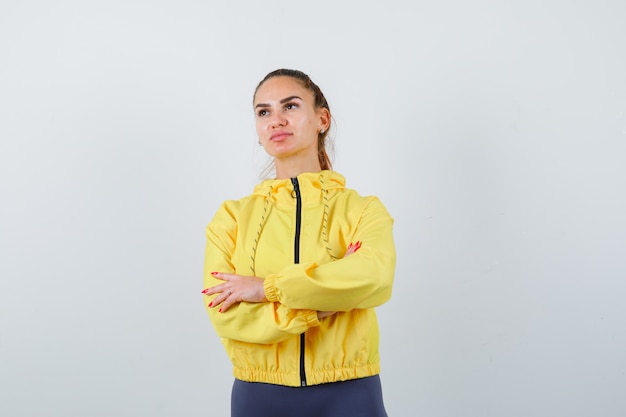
pixel 494 131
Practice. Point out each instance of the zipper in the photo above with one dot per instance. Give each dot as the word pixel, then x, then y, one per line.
pixel 296 260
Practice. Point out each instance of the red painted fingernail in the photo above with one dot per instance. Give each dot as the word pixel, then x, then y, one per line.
pixel 204 291
pixel 358 245
pixel 213 273
pixel 220 310
pixel 211 304
pixel 350 245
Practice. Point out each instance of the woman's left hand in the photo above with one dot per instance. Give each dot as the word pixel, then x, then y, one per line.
pixel 235 289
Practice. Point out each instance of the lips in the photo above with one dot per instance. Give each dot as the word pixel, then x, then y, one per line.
pixel 280 135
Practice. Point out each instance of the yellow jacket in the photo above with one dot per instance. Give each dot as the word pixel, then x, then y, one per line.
pixel 294 234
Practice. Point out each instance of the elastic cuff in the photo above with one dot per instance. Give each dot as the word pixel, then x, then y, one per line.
pixel 311 319
pixel 269 286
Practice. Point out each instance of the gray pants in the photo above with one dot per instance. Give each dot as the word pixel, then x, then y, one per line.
pixel 355 398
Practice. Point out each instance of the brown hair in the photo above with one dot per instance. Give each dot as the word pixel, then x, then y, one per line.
pixel 319 101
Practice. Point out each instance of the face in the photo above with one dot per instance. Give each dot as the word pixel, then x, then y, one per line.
pixel 287 121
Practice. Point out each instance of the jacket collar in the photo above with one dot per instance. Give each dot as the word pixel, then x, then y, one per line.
pixel 312 187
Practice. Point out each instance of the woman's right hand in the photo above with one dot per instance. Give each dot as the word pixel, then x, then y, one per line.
pixel 322 314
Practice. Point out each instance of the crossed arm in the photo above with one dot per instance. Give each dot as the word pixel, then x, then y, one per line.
pixel 275 307
pixel 238 288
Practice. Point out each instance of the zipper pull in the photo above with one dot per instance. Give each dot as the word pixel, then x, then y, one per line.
pixel 296 187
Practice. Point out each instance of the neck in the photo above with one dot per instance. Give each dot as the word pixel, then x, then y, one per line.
pixel 292 167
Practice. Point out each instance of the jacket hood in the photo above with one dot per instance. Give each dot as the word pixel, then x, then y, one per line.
pixel 313 185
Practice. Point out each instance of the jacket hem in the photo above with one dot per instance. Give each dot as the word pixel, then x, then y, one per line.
pixel 292 379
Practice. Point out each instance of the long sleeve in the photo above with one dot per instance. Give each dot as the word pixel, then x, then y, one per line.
pixel 264 323
pixel 361 280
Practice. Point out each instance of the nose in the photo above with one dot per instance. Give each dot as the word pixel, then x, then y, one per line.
pixel 277 121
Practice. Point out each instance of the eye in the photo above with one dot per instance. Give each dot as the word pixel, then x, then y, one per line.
pixel 291 106
pixel 262 113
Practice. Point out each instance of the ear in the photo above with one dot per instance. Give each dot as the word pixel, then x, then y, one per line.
pixel 324 116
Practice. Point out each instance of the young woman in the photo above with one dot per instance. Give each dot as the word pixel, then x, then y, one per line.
pixel 294 270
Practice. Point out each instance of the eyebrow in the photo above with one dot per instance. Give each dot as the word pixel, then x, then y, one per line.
pixel 283 101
